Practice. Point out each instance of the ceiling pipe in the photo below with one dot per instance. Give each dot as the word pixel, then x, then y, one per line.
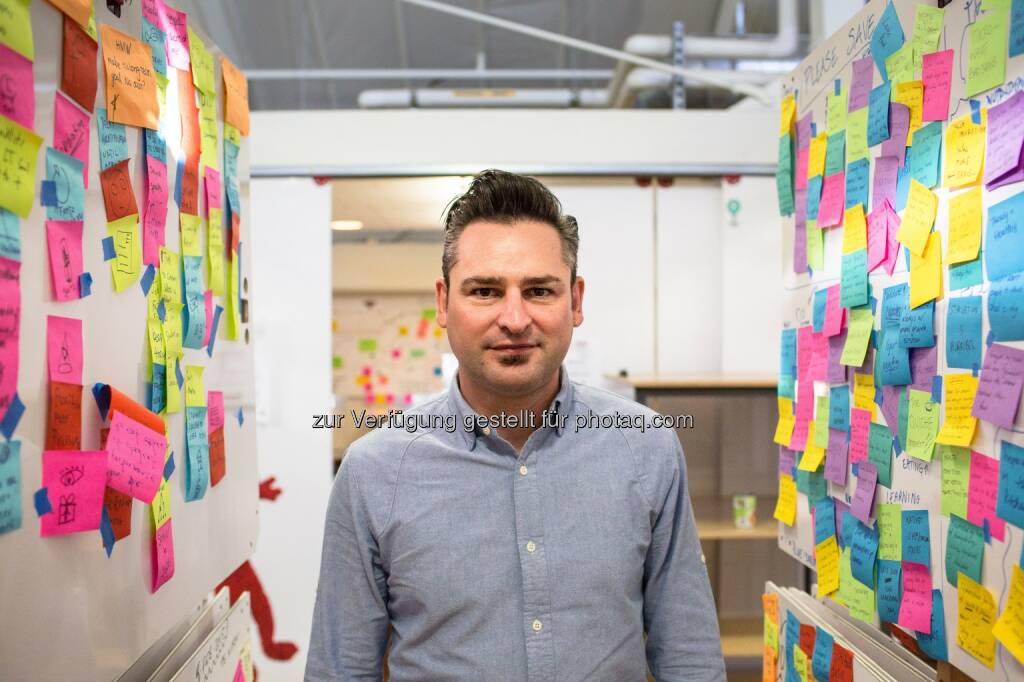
pixel 518 98
pixel 428 74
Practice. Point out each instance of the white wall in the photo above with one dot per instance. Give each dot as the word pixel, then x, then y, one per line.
pixel 291 282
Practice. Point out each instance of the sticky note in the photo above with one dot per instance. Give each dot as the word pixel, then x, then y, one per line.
pixel 19 100
pixel 1010 499
pixel 889 590
pixel 894 361
pixel 933 643
pixel 916 600
pixel 786 422
pixel 899 127
pixel 156 39
pixel 965 152
pixel 64 349
pixel 936 75
pixel 19 149
pixel 163 554
pixel 835 153
pixel 64 242
pixel 113 140
pixel 863 553
pixel 194 312
pixel 79 10
pixel 883 188
pixel 965 548
pixel 71 132
pixel 858 181
pixel 64 417
pixel 1005 137
pixel 833 200
pixel 195 393
pixel 916 544
pixel 986 59
pixel 813 456
pixel 899 66
pixel 785 506
pixel 982 492
pixel 236 96
pixel 835 109
pixel 922 425
pixel 191 243
pixel 155 213
pixel 965 226
pixel 887 38
pixel 118 194
pixel 958 427
pixel 135 456
pixel 10 236
pixel 824 521
pixel 836 457
pixel 917 327
pixel 911 95
pixel 862 71
pixel 926 272
pixel 78 74
pixel 16 27
pixel 918 219
pixel 853 288
pixel 1004 238
pixel 976 617
pixel 130 80
pixel 1009 629
pixel 816 155
pixel 858 335
pixel 860 430
pixel 923 367
pixel 925 153
pixel 126 265
pixel 1016 37
pixel 10 486
pixel 834 312
pixel 878 114
pixel 854 229
pixel 861 598
pixel 864 496
pixel 66 172
pixel 827 557
pixel 75 481
pixel 821 661
pixel 197 460
pixel 880 452
pixel 1000 385
pixel 815 246
pixel 890 532
pixel 965 275
pixel 202 63
pixel 956 464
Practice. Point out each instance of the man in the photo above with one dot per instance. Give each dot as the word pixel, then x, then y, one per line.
pixel 522 551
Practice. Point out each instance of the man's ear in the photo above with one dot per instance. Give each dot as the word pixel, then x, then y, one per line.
pixel 441 302
pixel 577 301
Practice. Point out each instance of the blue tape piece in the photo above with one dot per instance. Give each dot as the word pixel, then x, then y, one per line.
pixel 169 467
pixel 13 416
pixel 108 249
pixel 42 502
pixel 178 375
pixel 873 302
pixel 85 283
pixel 161 310
pixel 147 279
pixel 937 388
pixel 102 397
pixel 873 342
pixel 990 339
pixel 107 532
pixel 974 370
pixel 48 193
pixel 241 416
pixel 896 446
pixel 213 330
pixel 985 530
pixel 837 86
pixel 177 182
pixel 814 129
pixel 149 397
pixel 975 112
pixel 855 468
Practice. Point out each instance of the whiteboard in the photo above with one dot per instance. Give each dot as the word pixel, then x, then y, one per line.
pixel 76 614
pixel 915 484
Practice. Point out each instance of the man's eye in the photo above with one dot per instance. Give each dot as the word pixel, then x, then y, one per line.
pixel 484 292
pixel 540 292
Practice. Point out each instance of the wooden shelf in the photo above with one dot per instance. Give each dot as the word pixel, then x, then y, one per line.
pixel 718 529
pixel 699 381
pixel 742 637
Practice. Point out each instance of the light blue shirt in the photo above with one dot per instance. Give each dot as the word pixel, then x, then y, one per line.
pixel 548 564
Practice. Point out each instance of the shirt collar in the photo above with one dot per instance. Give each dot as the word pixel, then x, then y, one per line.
pixel 561 404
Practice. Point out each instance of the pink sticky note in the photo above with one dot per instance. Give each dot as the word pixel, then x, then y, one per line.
pixel 892 248
pixel 17 91
pixel 215 410
pixel 834 312
pixel 212 183
pixel 64 349
pixel 833 200
pixel 208 304
pixel 818 369
pixel 64 241
pixel 239 673
pixel 1002 377
pixel 1005 137
pixel 804 348
pixel 804 403
pixel 800 432
pixel 800 243
pixel 884 186
pixel 135 454
pixel 982 492
pixel 864 495
pixel 163 555
pixel 860 83
pixel 936 73
pixel 176 28
pixel 916 602
pixel 860 430
pixel 75 482
pixel 10 327
pixel 153 11
pixel 836 457
pixel 801 168
pixel 878 237
pixel 71 131
pixel 154 218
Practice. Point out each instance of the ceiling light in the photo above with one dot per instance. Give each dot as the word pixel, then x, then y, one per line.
pixel 346 225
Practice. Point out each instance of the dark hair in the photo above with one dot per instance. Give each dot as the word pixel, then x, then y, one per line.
pixel 504 197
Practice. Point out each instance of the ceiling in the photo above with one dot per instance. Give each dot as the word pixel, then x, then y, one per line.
pixel 390 34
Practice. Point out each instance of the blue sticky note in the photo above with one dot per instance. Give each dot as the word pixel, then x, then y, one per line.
pixel 1004 238
pixel 10 486
pixel 821 661
pixel 824 520
pixel 902 187
pixel 916 537
pixel 963 332
pixel 10 235
pixel 820 300
pixel 813 196
pixel 937 388
pixel 853 285
pixel 858 178
pixel 964 275
pixel 41 500
pixel 788 352
pixel 895 302
pixel 213 331
pixel 197 453
pixel 787 386
pixel 169 467
pixel 1010 500
pixel 231 169
pixel 839 407
pixel 934 643
pixel 965 549
pixel 863 552
pixel 108 248
pixel 1006 308
pixel 878 114
pixel 101 394
pixel 848 527
pixel 156 146
pixel 792 630
pixel 85 283
pixel 917 326
pixel 48 193
pixel 12 417
pixel 107 532
pixel 1017 28
pixel 889 590
pixel 925 154
pixel 893 361
pixel 147 279
pixel 835 152
pixel 194 311
pixel 65 172
pixel 155 38
pixel 887 38
pixel 112 138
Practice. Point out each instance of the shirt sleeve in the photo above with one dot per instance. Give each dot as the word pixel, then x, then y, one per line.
pixel 680 618
pixel 350 619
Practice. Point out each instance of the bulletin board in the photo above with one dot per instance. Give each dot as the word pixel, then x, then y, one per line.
pixel 75 612
pixel 882 368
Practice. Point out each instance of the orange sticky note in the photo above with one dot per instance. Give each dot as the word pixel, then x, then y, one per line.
pixel 118 195
pixel 236 96
pixel 130 80
pixel 119 510
pixel 78 65
pixel 79 10
pixel 64 419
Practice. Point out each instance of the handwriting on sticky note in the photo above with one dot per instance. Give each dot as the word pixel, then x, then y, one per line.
pixel 64 242
pixel 126 264
pixel 236 96
pixel 135 457
pixel 785 506
pixel 982 492
pixel 64 349
pixel 130 80
pixel 118 195
pixel 999 386
pixel 155 215
pixel 976 616
pixel 1009 629
pixel 75 481
pixel 64 417
pixel 918 219
pixel 986 66
pixel 19 150
pixel 163 555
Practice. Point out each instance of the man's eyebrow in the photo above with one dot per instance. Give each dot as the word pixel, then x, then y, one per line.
pixel 543 279
pixel 539 280
pixel 482 281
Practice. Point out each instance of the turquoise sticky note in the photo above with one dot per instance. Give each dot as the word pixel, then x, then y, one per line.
pixel 880 452
pixel 112 138
pixel 65 172
pixel 839 408
pixel 817 310
pixel 889 590
pixel 10 486
pixel 155 38
pixel 878 114
pixel 965 275
pixel 1016 28
pixel 934 642
pixel 863 553
pixel 963 332
pixel 925 154
pixel 10 235
pixel 902 186
pixel 893 361
pixel 1006 307
pixel 835 153
pixel 895 301
pixel 197 453
pixel 821 661
pixel 1010 499
pixel 858 177
pixel 784 175
pixel 916 537
pixel 965 547
pixel 1004 238
pixel 917 327
pixel 824 520
pixel 887 38
pixel 813 196
pixel 853 289
pixel 193 320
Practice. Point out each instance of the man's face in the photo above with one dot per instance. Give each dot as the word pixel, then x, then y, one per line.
pixel 510 310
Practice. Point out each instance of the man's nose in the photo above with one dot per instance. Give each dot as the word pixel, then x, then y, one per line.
pixel 514 317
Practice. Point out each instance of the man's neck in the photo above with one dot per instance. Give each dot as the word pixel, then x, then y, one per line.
pixel 489 404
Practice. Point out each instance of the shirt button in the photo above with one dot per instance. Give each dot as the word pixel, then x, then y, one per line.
pixel 523 470
pixel 531 547
pixel 537 625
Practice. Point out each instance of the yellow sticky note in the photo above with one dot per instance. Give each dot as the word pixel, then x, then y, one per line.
pixel 771 635
pixel 857 135
pixel 215 251
pixel 900 64
pixel 785 506
pixel 836 111
pixel 232 133
pixel 964 226
pixel 926 273
pixel 816 155
pixel 813 454
pixel 959 426
pixel 190 242
pixel 202 63
pixel 19 149
pixel 911 95
pixel 157 350
pixel 153 298
pixel 827 557
pixel 16 27
pixel 91 28
pixel 195 394
pixel 788 114
pixel 208 131
pixel 127 261
pixel 230 302
pixel 161 505
pixel 855 229
pixel 1009 629
pixel 976 616
pixel 170 275
pixel 172 335
pixel 965 152
pixel 918 218
pixel 864 392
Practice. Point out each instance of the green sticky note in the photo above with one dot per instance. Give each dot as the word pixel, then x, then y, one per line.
pixel 835 153
pixel 890 532
pixel 429 314
pixel 880 453
pixel 965 547
pixel 986 66
pixel 858 334
pixel 845 577
pixel 821 421
pixel 815 246
pixel 16 27
pixel 857 135
pixel 927 28
pixel 956 473
pixel 337 362
pixel 836 107
pixel 416 353
pixel 922 424
pixel 367 345
pixel 900 64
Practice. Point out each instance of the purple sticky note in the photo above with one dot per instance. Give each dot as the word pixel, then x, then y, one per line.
pixel 800 180
pixel 1002 377
pixel 803 132
pixel 787 460
pixel 891 408
pixel 800 247
pixel 836 371
pixel 835 457
pixel 833 200
pixel 884 186
pixel 923 365
pixel 860 84
pixel 878 236
pixel 936 74
pixel 899 126
pixel 1005 132
pixel 864 496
